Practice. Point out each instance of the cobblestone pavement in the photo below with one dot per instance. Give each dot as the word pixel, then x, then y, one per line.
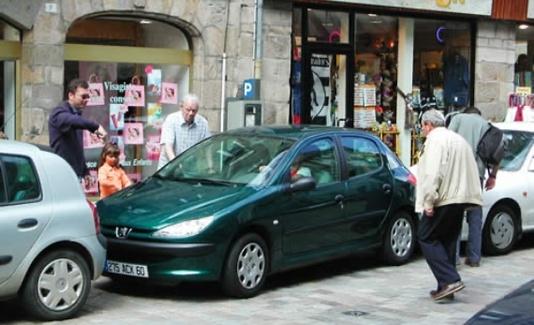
pixel 357 290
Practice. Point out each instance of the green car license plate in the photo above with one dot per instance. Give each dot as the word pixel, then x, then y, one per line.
pixel 136 270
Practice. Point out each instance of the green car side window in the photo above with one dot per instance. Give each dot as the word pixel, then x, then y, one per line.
pixel 362 154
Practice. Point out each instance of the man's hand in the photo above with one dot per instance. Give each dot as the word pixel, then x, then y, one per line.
pixel 490 183
pixel 101 132
pixel 429 212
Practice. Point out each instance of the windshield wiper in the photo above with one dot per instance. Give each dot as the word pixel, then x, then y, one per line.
pixel 206 181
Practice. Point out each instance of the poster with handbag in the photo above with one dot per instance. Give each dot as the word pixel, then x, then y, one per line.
pixel 135 96
pixel 133 133
pixel 96 93
pixel 169 93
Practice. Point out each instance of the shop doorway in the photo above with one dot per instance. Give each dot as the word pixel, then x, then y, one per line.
pixel 326 81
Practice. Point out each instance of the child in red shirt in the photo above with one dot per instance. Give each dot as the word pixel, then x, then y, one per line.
pixel 111 176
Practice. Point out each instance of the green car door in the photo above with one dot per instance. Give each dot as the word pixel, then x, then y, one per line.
pixel 313 220
pixel 369 187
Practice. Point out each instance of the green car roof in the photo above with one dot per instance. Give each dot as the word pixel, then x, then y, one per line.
pixel 290 131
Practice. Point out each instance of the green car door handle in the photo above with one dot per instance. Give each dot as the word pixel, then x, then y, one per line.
pixel 386 188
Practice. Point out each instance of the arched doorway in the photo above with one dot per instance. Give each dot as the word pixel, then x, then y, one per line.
pixel 138 69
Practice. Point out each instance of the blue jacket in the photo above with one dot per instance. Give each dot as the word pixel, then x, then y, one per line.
pixel 65 126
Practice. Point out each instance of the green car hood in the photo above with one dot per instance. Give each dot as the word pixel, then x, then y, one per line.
pixel 156 203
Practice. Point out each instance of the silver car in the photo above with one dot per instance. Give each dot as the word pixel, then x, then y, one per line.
pixel 50 241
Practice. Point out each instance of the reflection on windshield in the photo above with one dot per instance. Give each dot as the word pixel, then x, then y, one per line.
pixel 228 159
pixel 517 145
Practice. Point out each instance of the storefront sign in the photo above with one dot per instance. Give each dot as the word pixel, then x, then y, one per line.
pixel 469 7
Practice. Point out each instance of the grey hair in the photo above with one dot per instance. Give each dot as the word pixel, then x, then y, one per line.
pixel 191 98
pixel 434 117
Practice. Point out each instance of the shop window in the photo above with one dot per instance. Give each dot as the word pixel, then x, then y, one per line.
pixel 328 26
pixel 376 39
pixel 441 76
pixel 129 99
pixel 524 53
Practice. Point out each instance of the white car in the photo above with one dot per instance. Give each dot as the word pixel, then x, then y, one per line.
pixel 508 209
pixel 50 241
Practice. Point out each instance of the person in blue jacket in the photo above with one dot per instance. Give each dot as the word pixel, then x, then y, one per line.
pixel 66 125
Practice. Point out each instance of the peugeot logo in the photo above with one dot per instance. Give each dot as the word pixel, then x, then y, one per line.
pixel 122 232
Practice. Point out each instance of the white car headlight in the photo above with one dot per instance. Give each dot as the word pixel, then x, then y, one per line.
pixel 185 228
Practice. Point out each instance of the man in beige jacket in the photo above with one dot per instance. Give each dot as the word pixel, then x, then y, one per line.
pixel 447 184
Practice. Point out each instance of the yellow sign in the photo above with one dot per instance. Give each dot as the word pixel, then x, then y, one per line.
pixel 447 3
pixel 523 90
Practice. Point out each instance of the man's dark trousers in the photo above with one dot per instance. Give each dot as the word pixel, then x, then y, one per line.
pixel 438 236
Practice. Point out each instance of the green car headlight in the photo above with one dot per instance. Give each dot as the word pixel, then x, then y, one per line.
pixel 185 228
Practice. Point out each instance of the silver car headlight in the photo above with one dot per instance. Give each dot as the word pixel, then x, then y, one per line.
pixel 185 228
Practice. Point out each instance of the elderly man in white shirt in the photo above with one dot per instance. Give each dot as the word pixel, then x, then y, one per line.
pixel 182 130
pixel 447 184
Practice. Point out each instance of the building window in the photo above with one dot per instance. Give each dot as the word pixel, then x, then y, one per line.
pixel 138 72
pixel 442 64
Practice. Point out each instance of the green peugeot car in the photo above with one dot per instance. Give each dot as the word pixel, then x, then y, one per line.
pixel 250 202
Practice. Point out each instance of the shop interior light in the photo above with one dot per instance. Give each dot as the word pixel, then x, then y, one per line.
pixel 523 26
pixel 371 15
pixel 145 21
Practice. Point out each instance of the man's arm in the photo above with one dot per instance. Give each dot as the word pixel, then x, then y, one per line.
pixel 167 138
pixel 65 120
pixel 169 150
pixel 490 181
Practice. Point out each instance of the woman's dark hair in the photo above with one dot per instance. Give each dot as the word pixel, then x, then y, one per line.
pixel 109 149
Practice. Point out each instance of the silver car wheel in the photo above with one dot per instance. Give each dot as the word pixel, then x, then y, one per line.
pixel 502 230
pixel 401 237
pixel 60 284
pixel 250 265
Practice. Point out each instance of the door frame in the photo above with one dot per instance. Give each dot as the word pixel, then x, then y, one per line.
pixel 310 48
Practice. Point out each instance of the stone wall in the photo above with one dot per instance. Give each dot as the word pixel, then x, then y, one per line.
pixel 494 68
pixel 42 62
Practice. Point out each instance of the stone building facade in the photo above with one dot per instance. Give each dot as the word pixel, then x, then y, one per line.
pixel 207 23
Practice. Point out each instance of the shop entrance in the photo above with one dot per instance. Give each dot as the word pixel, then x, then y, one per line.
pixel 326 81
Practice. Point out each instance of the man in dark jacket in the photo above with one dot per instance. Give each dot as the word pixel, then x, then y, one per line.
pixel 66 123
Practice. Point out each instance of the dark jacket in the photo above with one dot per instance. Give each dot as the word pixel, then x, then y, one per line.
pixel 65 126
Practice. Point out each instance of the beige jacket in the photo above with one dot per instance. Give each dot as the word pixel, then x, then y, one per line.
pixel 447 172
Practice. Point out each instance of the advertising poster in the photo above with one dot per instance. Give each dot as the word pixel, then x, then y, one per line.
pixel 135 96
pixel 96 91
pixel 91 140
pixel 169 93
pixel 133 133
pixel 154 83
pixel 116 117
pixel 90 183
pixel 98 72
pixel 154 115
pixel 321 85
pixel 152 147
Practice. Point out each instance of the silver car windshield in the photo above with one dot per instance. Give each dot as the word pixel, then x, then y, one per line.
pixel 517 146
pixel 228 159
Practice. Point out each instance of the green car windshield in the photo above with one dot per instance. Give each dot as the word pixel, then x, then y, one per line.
pixel 228 159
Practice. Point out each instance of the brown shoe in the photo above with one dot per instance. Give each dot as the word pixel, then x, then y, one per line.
pixel 434 292
pixel 448 290
pixel 471 264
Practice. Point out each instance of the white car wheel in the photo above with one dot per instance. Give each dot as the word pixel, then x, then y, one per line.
pixel 57 286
